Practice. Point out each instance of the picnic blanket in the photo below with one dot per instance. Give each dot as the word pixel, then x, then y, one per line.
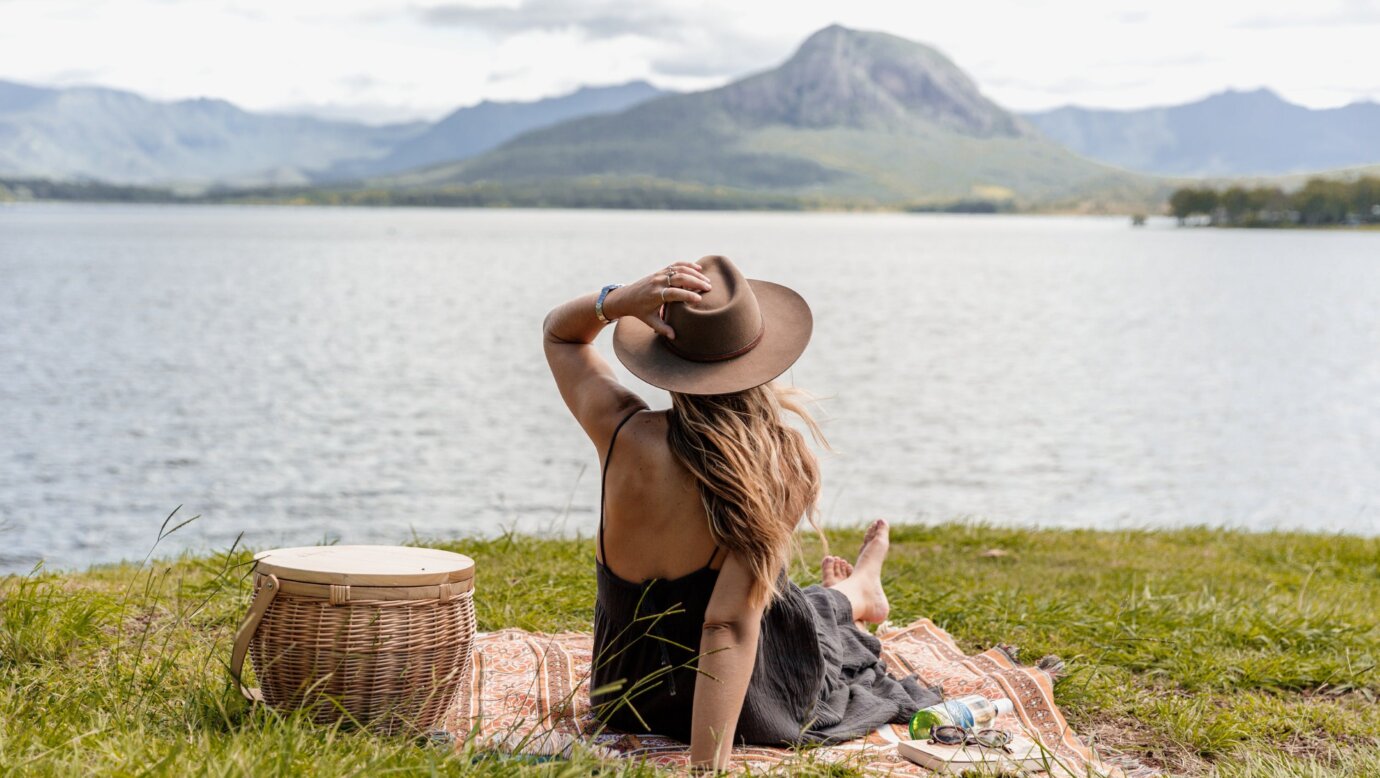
pixel 529 694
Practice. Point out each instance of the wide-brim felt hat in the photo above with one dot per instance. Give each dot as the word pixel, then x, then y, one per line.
pixel 741 334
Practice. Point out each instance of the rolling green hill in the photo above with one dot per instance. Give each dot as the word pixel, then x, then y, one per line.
pixel 852 117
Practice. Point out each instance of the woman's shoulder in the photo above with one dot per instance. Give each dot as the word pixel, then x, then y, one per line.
pixel 640 435
pixel 642 458
pixel 644 426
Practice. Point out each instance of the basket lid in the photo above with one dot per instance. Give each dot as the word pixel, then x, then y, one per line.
pixel 366 565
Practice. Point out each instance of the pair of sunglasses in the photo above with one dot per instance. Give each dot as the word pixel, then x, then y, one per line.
pixel 952 735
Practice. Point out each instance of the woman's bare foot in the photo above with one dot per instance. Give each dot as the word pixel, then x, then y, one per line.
pixel 833 570
pixel 863 585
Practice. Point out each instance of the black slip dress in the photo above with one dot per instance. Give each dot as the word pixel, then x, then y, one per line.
pixel 817 678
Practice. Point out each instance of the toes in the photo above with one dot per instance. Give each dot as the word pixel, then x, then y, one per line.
pixel 875 530
pixel 828 570
pixel 879 532
pixel 843 568
pixel 875 545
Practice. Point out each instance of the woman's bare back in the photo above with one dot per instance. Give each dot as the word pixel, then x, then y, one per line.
pixel 655 524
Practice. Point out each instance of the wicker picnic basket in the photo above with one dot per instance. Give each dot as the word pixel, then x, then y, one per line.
pixel 378 636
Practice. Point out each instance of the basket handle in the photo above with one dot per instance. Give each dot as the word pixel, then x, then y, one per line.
pixel 263 598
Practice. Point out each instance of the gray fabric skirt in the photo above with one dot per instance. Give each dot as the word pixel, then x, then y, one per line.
pixel 819 679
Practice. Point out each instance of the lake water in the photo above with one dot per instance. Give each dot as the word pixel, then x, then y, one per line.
pixel 307 374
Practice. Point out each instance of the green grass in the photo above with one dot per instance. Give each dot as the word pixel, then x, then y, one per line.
pixel 1205 652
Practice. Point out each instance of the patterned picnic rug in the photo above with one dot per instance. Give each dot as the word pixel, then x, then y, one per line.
pixel 530 694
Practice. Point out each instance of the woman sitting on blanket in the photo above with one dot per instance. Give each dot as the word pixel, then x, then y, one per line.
pixel 698 633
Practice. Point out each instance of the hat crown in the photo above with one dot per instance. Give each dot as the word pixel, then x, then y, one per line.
pixel 726 322
pixel 741 334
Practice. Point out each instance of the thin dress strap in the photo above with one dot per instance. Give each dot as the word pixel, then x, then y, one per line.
pixel 608 456
pixel 714 555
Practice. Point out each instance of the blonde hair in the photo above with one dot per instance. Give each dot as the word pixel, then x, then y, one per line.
pixel 756 475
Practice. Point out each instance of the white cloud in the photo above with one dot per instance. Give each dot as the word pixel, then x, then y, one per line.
pixel 594 20
pixel 391 60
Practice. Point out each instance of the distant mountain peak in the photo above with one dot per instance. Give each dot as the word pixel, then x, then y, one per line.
pixel 100 133
pixel 638 84
pixel 850 116
pixel 636 90
pixel 855 78
pixel 833 31
pixel 1232 132
pixel 1258 96
pixel 466 132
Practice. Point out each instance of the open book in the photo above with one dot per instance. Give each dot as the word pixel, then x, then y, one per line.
pixel 1025 756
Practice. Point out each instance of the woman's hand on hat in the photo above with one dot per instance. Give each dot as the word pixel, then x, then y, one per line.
pixel 680 282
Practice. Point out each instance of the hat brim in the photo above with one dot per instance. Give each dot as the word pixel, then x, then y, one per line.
pixel 785 333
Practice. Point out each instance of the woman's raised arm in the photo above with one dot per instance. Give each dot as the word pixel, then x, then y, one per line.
pixel 587 382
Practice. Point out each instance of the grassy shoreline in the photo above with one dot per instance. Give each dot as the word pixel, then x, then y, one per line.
pixel 1205 652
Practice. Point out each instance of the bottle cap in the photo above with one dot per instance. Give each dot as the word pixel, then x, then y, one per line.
pixel 1003 705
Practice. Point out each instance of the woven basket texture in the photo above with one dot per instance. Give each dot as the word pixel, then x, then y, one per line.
pixel 392 666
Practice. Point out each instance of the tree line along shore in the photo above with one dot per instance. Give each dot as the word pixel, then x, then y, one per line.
pixel 1202 652
pixel 625 194
pixel 1318 203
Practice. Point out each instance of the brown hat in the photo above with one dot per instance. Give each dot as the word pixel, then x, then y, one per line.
pixel 741 334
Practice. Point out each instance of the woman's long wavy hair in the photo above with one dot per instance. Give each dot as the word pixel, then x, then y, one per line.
pixel 756 475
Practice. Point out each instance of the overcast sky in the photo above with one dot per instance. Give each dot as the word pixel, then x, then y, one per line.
pixel 392 60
